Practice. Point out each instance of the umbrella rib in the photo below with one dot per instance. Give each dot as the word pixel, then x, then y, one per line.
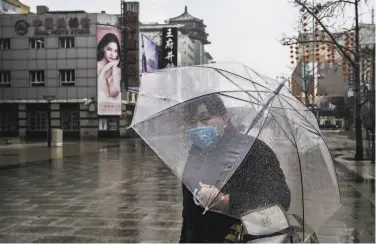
pixel 267 104
pixel 303 126
pixel 300 169
pixel 241 99
pixel 250 78
pixel 203 95
pixel 283 130
pixel 261 104
pixel 218 69
pixel 175 105
pixel 231 174
pixel 233 82
pixel 301 115
pixel 156 96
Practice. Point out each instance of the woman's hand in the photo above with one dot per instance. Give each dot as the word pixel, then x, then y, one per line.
pixel 105 70
pixel 207 194
pixel 211 195
pixel 111 74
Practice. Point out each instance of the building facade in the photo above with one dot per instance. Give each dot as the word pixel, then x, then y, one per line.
pixel 54 54
pixel 195 29
pixel 153 31
pixel 192 38
pixel 320 76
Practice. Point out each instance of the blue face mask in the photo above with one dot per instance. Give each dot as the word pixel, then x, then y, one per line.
pixel 204 137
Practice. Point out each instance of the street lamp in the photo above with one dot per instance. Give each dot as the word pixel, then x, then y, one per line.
pixel 49 98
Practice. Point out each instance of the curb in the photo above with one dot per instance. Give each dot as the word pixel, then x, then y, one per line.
pixel 44 161
pixel 358 176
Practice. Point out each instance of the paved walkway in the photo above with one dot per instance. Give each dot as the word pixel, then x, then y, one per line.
pixel 33 153
pixel 126 194
pixel 343 150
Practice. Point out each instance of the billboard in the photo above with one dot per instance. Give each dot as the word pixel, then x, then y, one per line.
pixel 108 70
pixel 169 47
pixel 13 7
pixel 148 55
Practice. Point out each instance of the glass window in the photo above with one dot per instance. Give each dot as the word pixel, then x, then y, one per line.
pixel 109 124
pixel 4 43
pixel 103 124
pixel 37 121
pixel 112 124
pixel 36 43
pixel 67 77
pixel 66 42
pixel 70 120
pixel 5 78
pixel 8 120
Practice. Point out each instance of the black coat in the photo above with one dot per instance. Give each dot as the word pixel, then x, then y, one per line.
pixel 258 181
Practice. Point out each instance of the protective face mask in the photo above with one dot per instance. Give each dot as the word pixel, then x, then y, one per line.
pixel 204 137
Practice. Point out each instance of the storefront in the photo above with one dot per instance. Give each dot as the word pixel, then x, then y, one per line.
pixel 108 127
pixel 8 120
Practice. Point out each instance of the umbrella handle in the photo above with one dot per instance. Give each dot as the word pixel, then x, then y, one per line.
pixel 195 193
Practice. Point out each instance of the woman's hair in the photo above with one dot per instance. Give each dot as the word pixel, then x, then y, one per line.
pixel 213 103
pixel 108 38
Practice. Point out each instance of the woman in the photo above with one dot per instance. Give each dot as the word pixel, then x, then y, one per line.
pixel 258 181
pixel 109 73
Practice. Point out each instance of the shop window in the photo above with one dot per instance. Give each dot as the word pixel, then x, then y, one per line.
pixel 113 124
pixel 70 120
pixel 8 119
pixel 37 121
pixel 109 124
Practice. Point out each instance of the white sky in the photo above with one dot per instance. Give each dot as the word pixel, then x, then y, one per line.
pixel 245 31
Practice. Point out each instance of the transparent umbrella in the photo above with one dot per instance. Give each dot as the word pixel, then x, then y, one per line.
pixel 269 151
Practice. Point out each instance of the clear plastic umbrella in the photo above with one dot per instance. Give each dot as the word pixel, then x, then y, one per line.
pixel 262 118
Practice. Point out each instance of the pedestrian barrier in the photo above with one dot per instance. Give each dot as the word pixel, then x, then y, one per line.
pixel 57 137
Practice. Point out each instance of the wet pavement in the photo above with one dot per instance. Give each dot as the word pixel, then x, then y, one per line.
pixel 34 153
pixel 126 194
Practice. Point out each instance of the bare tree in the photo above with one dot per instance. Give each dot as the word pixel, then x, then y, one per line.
pixel 329 15
pixel 305 83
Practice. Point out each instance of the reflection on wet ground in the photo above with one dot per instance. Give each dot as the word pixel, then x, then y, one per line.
pixel 126 194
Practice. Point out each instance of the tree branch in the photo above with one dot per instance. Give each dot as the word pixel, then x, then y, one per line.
pixel 326 31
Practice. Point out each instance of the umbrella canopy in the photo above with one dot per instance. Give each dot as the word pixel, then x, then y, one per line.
pixel 263 121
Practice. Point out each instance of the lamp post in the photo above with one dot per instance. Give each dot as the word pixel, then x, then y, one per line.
pixel 49 98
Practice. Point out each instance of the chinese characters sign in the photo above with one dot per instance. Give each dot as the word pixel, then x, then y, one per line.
pixel 170 47
pixel 130 35
pixel 62 26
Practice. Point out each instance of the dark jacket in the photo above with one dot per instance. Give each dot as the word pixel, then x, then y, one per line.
pixel 258 181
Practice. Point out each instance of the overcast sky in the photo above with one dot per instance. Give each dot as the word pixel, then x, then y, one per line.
pixel 246 31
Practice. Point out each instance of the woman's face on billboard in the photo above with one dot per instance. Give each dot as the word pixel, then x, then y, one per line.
pixel 111 52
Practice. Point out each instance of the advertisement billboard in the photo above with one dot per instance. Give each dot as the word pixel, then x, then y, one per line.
pixel 148 55
pixel 108 70
pixel 13 7
pixel 170 47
